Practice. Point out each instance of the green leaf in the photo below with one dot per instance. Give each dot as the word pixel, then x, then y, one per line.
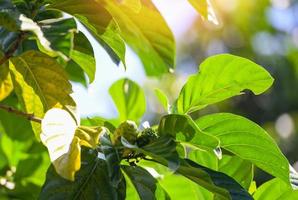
pixel 164 150
pixel 219 183
pixel 144 183
pixel 129 99
pixel 163 99
pixel 184 129
pixel 242 171
pixel 75 73
pixel 247 140
pixel 147 33
pixel 275 189
pixel 92 182
pixel 60 34
pixel 83 55
pixel 179 187
pixel 40 84
pixel 98 21
pixel 221 77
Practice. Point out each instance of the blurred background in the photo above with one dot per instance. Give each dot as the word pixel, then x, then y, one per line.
pixel 264 31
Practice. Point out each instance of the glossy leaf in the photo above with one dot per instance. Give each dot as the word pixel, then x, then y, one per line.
pixel 129 99
pixel 144 183
pixel 247 140
pixel 185 130
pixel 221 77
pixel 219 183
pixel 40 84
pixel 147 33
pixel 98 21
pixel 233 166
pixel 91 182
pixel 60 34
pixel 275 189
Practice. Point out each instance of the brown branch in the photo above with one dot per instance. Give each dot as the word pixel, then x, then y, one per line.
pixel 13 48
pixel 27 116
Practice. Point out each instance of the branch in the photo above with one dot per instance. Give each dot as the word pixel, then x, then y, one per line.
pixel 27 116
pixel 13 48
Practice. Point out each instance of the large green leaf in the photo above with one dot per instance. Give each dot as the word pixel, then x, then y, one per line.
pixel 241 170
pixel 275 189
pixel 219 183
pixel 184 129
pixel 221 77
pixel 179 187
pixel 147 33
pixel 92 182
pixel 247 140
pixel 40 84
pixel 98 21
pixel 60 34
pixel 129 99
pixel 144 183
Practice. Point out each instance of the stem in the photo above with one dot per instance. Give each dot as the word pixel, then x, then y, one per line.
pixel 28 116
pixel 13 48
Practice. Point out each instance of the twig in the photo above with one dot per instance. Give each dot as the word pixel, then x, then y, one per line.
pixel 28 116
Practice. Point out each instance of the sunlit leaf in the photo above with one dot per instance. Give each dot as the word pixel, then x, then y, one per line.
pixel 147 33
pixel 6 85
pixel 184 129
pixel 60 34
pixel 40 84
pixel 247 140
pixel 97 19
pixel 206 10
pixel 221 77
pixel 64 138
pixel 241 170
pixel 275 189
pixel 129 99
pixel 219 183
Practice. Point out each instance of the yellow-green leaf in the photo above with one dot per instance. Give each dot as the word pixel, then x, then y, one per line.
pixel 64 138
pixel 40 84
pixel 6 85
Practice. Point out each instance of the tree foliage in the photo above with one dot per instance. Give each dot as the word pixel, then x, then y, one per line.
pixel 42 51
